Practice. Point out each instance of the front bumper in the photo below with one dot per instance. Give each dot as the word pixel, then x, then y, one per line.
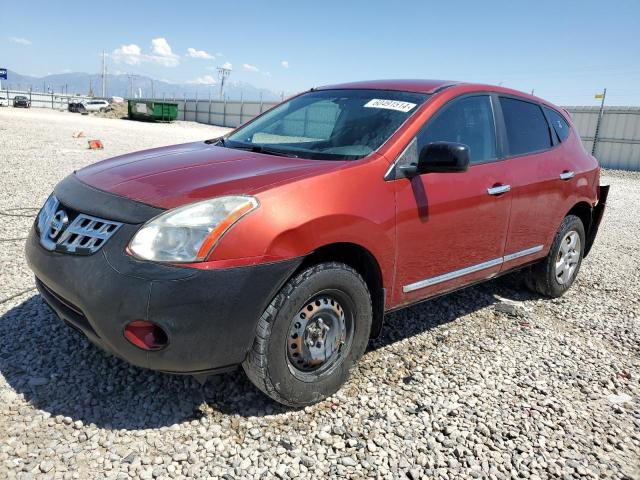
pixel 210 316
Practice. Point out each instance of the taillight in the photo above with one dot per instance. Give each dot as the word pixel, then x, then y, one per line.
pixel 146 335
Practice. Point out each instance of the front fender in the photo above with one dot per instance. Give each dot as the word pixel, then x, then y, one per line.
pixel 338 228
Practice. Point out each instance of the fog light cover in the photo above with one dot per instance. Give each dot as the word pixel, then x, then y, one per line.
pixel 146 335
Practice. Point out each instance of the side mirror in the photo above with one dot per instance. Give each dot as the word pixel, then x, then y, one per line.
pixel 440 157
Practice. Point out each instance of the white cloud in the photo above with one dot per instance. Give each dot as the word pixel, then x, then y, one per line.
pixel 228 66
pixel 161 54
pixel 193 53
pixel 267 74
pixel 129 54
pixel 250 68
pixel 204 80
pixel 285 63
pixel 20 40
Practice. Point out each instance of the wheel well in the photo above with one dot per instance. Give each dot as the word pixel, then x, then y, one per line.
pixel 361 260
pixel 582 210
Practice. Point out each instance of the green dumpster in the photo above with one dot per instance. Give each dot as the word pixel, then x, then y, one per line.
pixel 152 111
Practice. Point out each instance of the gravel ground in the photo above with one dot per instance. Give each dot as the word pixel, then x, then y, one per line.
pixel 490 382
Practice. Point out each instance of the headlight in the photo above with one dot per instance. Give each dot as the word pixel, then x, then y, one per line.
pixel 189 233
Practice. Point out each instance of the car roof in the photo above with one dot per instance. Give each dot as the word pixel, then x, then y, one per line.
pixel 433 86
pixel 422 86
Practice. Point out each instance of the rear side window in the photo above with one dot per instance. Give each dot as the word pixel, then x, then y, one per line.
pixel 468 121
pixel 558 123
pixel 527 128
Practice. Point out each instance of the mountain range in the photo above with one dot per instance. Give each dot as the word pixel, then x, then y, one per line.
pixel 122 85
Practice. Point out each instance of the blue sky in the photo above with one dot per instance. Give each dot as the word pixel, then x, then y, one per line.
pixel 565 50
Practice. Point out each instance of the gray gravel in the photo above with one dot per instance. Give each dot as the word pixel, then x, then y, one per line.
pixel 490 382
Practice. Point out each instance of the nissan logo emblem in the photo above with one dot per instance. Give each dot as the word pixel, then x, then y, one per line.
pixel 58 223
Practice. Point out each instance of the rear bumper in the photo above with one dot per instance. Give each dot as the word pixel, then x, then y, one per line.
pixel 598 212
pixel 210 316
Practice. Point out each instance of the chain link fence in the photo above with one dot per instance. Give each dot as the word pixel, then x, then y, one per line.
pixel 43 100
pixel 617 139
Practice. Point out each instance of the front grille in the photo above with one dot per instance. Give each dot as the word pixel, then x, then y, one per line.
pixel 60 299
pixel 67 311
pixel 86 235
pixel 65 230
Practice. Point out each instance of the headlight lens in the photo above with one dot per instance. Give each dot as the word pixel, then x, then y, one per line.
pixel 189 233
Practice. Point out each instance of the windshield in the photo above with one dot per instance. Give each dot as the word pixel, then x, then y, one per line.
pixel 329 124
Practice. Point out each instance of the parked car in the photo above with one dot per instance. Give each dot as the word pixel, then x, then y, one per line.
pixel 75 105
pixel 96 105
pixel 4 102
pixel 21 101
pixel 280 246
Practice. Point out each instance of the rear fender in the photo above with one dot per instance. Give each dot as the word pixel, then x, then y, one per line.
pixel 598 212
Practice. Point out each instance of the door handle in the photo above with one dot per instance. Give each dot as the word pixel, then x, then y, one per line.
pixel 567 174
pixel 498 189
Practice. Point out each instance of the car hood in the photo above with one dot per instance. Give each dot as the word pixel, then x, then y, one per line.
pixel 168 177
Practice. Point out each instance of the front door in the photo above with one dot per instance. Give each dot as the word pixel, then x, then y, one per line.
pixel 452 227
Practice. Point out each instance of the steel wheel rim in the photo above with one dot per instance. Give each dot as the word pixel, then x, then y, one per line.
pixel 319 335
pixel 568 257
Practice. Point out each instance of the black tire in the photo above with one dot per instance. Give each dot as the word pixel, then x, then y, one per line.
pixel 268 364
pixel 542 277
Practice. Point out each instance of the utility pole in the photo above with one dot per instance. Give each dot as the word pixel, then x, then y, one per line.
pixel 131 77
pixel 104 75
pixel 90 88
pixel 223 73
pixel 600 113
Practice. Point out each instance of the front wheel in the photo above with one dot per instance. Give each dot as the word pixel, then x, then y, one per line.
pixel 311 335
pixel 557 272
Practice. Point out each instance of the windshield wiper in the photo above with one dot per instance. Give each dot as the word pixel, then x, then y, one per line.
pixel 273 151
pixel 262 149
pixel 215 141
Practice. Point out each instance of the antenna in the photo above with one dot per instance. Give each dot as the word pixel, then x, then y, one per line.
pixel 223 73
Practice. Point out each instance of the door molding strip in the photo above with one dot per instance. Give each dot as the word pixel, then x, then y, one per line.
pixel 522 253
pixel 427 282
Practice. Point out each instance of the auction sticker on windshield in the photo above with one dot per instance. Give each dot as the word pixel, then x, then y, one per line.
pixel 390 104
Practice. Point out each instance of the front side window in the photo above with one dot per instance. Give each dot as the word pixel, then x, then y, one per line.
pixel 468 121
pixel 329 124
pixel 527 128
pixel 558 123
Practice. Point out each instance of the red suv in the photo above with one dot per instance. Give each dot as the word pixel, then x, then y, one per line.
pixel 280 246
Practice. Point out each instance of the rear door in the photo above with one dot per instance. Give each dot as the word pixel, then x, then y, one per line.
pixel 452 227
pixel 536 188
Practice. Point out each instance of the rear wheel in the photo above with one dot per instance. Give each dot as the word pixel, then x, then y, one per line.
pixel 311 335
pixel 557 272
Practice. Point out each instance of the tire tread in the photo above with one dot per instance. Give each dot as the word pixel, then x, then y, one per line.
pixel 541 276
pixel 256 364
